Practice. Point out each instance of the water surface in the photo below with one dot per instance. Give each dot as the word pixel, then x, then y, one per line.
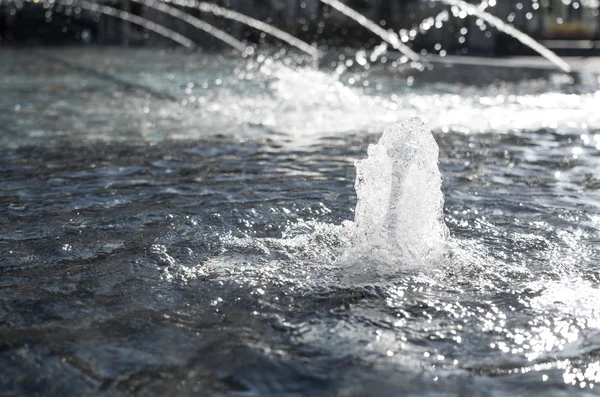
pixel 171 224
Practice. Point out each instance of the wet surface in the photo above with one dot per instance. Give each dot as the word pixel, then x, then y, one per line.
pixel 160 247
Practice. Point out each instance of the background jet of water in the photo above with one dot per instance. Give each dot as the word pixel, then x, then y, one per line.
pixel 161 6
pixel 511 31
pixel 155 27
pixel 125 16
pixel 239 17
pixel 388 36
pixel 197 23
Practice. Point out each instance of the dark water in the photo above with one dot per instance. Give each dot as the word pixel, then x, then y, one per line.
pixel 154 247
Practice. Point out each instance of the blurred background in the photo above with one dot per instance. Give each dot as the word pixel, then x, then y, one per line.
pixel 568 27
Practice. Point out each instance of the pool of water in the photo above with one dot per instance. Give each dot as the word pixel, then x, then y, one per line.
pixel 174 224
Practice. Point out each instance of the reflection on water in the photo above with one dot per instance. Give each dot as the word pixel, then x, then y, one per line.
pixel 191 246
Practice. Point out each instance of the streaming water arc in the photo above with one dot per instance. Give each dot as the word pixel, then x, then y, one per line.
pixel 388 36
pixel 195 22
pixel 249 21
pixel 128 17
pixel 511 31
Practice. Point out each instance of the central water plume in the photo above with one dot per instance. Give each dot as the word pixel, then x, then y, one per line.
pixel 399 214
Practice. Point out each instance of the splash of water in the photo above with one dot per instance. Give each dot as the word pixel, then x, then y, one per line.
pixel 511 31
pixel 388 36
pixel 399 214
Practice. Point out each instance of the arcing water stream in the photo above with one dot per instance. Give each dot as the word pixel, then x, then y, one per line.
pixel 125 16
pixel 263 27
pixel 511 31
pixel 195 22
pixel 389 37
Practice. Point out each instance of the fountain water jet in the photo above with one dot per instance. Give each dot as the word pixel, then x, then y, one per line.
pixel 239 17
pixel 511 31
pixel 153 26
pixel 399 214
pixel 388 36
pixel 124 16
pixel 195 22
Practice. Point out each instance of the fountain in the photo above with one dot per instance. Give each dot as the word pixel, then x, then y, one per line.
pixel 389 37
pixel 153 26
pixel 180 222
pixel 128 17
pixel 399 218
pixel 205 7
pixel 197 23
pixel 263 27
pixel 511 31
